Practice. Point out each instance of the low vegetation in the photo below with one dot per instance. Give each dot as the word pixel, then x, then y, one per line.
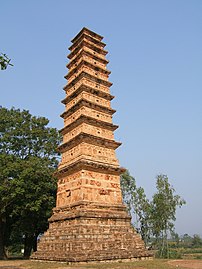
pixel 186 247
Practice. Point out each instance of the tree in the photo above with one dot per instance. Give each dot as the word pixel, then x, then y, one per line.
pixel 196 241
pixel 143 211
pixel 164 205
pixel 187 240
pixel 128 188
pixel 9 191
pixel 137 204
pixel 28 159
pixel 39 193
pixel 155 217
pixel 175 238
pixel 4 61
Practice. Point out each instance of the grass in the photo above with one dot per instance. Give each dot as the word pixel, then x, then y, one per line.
pixel 150 264
pixel 186 254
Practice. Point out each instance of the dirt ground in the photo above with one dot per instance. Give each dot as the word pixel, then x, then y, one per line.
pixel 155 264
pixel 191 264
pixel 12 264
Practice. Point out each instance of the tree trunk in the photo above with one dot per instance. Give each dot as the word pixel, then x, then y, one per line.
pixel 29 244
pixel 35 243
pixel 3 255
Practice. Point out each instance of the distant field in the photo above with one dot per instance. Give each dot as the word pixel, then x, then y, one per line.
pixel 189 253
pixel 154 264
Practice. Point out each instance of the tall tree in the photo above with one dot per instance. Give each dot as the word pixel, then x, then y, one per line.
pixel 32 211
pixel 137 203
pixel 155 217
pixel 128 188
pixel 28 158
pixel 164 205
pixel 10 190
pixel 143 211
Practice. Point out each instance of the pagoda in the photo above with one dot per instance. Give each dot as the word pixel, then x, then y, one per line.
pixel 90 221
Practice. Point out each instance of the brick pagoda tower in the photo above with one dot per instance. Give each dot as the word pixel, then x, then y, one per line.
pixel 89 222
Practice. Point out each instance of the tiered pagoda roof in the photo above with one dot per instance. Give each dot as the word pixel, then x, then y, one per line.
pixel 88 97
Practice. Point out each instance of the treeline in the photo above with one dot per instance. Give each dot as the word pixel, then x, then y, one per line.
pixel 186 241
pixel 28 160
pixel 185 246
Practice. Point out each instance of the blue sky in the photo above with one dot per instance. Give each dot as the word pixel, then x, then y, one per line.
pixel 155 54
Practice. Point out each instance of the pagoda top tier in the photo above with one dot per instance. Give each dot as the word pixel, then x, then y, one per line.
pixel 89 36
pixel 86 31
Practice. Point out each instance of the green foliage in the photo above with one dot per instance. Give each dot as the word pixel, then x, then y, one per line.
pixel 28 159
pixel 191 250
pixel 186 246
pixel 24 135
pixel 197 241
pixel 174 254
pixel 175 239
pixel 4 61
pixel 128 187
pixel 155 217
pixel 186 240
pixel 168 253
pixel 164 205
pixel 137 204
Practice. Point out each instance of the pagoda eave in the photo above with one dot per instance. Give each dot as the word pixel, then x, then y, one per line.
pixel 92 212
pixel 88 31
pixel 90 77
pixel 88 45
pixel 89 38
pixel 89 165
pixel 87 89
pixel 86 63
pixel 88 54
pixel 90 139
pixel 90 121
pixel 86 103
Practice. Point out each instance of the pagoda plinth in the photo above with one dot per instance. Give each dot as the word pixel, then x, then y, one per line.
pixel 90 221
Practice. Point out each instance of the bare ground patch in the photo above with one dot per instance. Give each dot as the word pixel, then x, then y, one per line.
pixel 9 264
pixel 190 264
pixel 13 264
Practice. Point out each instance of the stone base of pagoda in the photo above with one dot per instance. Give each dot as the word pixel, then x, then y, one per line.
pixel 91 235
